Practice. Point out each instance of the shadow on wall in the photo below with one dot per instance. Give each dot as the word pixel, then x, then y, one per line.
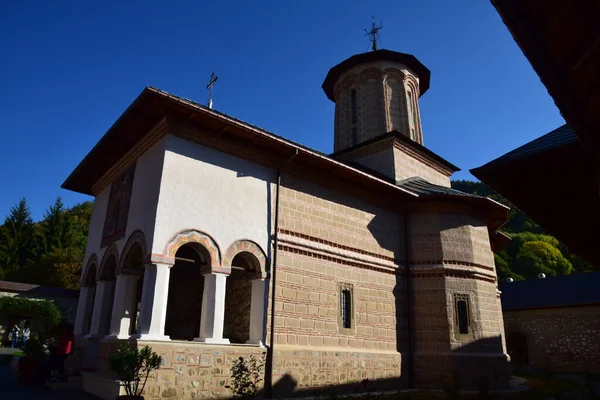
pixel 480 364
pixel 287 386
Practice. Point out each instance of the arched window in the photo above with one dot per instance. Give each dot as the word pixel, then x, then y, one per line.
pixel 354 117
pixel 346 309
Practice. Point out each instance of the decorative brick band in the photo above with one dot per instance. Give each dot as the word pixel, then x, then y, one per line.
pixel 452 262
pixel 339 246
pixel 339 260
pixel 155 134
pixel 452 273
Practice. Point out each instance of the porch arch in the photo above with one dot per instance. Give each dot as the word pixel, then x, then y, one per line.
pixel 194 236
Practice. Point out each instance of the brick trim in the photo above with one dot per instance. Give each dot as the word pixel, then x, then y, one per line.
pixel 452 262
pixel 191 235
pixel 337 245
pixel 339 260
pixel 247 246
pixel 452 273
pixel 155 134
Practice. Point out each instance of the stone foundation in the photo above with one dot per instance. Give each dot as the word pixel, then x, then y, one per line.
pixel 305 370
pixel 473 371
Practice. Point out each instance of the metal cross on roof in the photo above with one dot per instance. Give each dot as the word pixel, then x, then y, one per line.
pixel 211 83
pixel 373 33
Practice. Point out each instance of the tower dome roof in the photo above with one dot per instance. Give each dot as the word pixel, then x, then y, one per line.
pixel 378 55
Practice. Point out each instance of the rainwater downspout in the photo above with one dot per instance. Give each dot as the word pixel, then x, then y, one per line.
pixel 270 351
pixel 409 316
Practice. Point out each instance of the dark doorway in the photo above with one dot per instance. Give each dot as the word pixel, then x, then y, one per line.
pixel 516 344
pixel 186 285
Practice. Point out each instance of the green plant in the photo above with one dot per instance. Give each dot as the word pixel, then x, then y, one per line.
pixel 43 315
pixel 246 375
pixel 133 366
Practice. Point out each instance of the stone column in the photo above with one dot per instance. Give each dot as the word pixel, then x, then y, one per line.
pixel 213 309
pixel 153 310
pixel 102 308
pixel 123 306
pixel 257 310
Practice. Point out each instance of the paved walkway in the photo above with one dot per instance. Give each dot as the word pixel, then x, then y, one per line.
pixel 11 390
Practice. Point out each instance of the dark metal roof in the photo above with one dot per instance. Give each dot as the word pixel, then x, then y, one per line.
pixel 406 140
pixel 423 188
pixel 379 55
pixel 26 288
pixel 559 291
pixel 558 137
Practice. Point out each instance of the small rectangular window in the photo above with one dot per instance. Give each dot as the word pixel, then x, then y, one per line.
pixel 461 303
pixel 346 309
pixel 353 94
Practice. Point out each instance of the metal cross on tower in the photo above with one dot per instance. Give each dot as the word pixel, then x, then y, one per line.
pixel 373 33
pixel 211 83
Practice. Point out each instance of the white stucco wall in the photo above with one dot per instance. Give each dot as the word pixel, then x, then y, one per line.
pixel 224 196
pixel 144 196
pixel 96 226
pixel 142 208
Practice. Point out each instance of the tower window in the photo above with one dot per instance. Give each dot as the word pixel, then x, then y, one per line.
pixel 410 109
pixel 461 303
pixel 354 117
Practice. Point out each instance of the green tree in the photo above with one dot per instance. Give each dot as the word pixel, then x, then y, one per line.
pixel 503 270
pixel 540 256
pixel 56 228
pixel 17 243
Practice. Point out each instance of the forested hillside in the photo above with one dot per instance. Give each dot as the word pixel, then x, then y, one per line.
pixel 48 252
pixel 531 250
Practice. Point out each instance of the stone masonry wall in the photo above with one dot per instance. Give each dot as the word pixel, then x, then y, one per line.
pixel 562 339
pixel 451 256
pixel 328 241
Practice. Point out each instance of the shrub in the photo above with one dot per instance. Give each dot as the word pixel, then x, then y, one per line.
pixel 246 376
pixel 43 315
pixel 133 366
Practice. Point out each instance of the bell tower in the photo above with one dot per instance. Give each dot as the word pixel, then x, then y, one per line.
pixel 375 93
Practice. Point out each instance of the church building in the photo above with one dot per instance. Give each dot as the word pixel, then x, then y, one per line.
pixel 212 239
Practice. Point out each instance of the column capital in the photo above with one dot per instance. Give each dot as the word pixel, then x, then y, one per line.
pixel 157 259
pixel 260 276
pixel 215 269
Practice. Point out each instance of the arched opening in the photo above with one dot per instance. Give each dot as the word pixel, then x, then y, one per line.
pixel 90 294
pixel 186 286
pixel 107 285
pixel 238 297
pixel 516 344
pixel 134 269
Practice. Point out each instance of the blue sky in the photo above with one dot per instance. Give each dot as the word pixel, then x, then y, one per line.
pixel 70 68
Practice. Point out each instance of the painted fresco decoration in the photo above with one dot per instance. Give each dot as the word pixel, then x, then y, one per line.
pixel 115 223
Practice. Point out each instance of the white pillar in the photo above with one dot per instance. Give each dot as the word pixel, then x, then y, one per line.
pixel 123 306
pixel 153 310
pixel 103 302
pixel 257 310
pixel 84 310
pixel 213 309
